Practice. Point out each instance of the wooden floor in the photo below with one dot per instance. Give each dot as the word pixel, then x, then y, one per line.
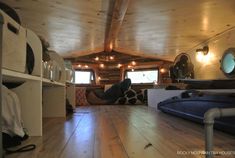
pixel 122 132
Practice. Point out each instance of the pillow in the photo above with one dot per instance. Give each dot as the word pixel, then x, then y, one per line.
pixel 131 97
pixel 81 99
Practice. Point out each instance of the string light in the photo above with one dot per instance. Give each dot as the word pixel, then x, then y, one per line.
pixel 119 65
pixel 133 63
pixel 97 58
pixel 102 65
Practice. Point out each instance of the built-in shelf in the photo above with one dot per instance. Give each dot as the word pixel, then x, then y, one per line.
pixel 47 82
pixel 14 76
pixel 68 82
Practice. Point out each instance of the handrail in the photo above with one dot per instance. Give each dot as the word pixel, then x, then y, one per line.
pixel 209 118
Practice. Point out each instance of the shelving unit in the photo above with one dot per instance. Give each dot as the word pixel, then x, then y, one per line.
pixel 9 75
pixel 39 97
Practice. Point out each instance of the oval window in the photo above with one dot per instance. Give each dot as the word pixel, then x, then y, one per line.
pixel 228 62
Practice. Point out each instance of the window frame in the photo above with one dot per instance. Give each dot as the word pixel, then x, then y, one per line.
pixel 92 74
pixel 143 69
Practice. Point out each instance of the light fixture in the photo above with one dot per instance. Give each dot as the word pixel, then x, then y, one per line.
pixel 111 46
pixel 204 56
pixel 86 66
pixel 99 78
pixel 102 65
pixel 111 57
pixel 79 65
pixel 129 66
pixel 162 70
pixel 133 63
pixel 97 58
pixel 132 70
pixel 119 65
pixel 203 50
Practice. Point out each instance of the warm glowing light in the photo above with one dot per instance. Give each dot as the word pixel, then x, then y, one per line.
pixel 132 70
pixel 99 78
pixel 129 66
pixel 119 65
pixel 111 57
pixel 162 70
pixel 86 66
pixel 205 59
pixel 102 65
pixel 97 58
pixel 133 63
pixel 111 46
pixel 79 65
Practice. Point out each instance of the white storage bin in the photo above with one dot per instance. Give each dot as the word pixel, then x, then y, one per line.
pixel 14 45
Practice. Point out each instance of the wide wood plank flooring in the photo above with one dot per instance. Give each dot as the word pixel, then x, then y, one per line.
pixel 122 132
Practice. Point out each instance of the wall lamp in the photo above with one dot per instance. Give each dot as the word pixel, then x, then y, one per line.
pixel 203 50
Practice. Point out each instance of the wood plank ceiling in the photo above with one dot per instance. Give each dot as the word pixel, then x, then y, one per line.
pixel 152 28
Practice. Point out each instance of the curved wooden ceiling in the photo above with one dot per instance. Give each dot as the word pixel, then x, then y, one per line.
pixel 154 28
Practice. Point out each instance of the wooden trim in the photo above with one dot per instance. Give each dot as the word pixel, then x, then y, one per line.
pixel 119 11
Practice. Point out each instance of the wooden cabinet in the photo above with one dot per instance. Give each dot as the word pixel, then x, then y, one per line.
pixel 39 97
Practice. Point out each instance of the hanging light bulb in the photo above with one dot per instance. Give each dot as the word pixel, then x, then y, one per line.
pixel 102 65
pixel 133 63
pixel 111 57
pixel 119 65
pixel 97 58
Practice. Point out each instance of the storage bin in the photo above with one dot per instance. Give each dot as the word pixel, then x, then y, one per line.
pixel 13 45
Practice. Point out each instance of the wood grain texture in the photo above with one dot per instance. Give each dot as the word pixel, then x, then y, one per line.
pixel 122 132
pixel 164 29
pixel 153 28
pixel 118 15
pixel 72 27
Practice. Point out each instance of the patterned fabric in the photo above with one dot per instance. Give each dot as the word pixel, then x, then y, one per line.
pixel 81 99
pixel 132 97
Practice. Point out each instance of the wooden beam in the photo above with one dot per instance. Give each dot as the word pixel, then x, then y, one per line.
pixel 119 11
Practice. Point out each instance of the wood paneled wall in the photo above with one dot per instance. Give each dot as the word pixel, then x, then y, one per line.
pixel 109 76
pixel 210 69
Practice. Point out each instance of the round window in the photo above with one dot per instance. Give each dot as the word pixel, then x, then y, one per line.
pixel 228 62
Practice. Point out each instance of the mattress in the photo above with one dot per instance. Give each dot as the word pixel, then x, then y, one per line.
pixel 192 105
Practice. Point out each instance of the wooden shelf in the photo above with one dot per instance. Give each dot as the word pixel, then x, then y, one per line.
pixel 14 76
pixel 47 82
pixel 68 82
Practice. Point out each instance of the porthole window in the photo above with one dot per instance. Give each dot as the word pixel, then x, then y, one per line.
pixel 227 62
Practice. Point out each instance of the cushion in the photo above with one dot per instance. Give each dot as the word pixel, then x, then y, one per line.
pixel 131 97
pixel 81 99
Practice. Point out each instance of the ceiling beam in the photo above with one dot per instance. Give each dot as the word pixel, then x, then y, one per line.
pixel 119 11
